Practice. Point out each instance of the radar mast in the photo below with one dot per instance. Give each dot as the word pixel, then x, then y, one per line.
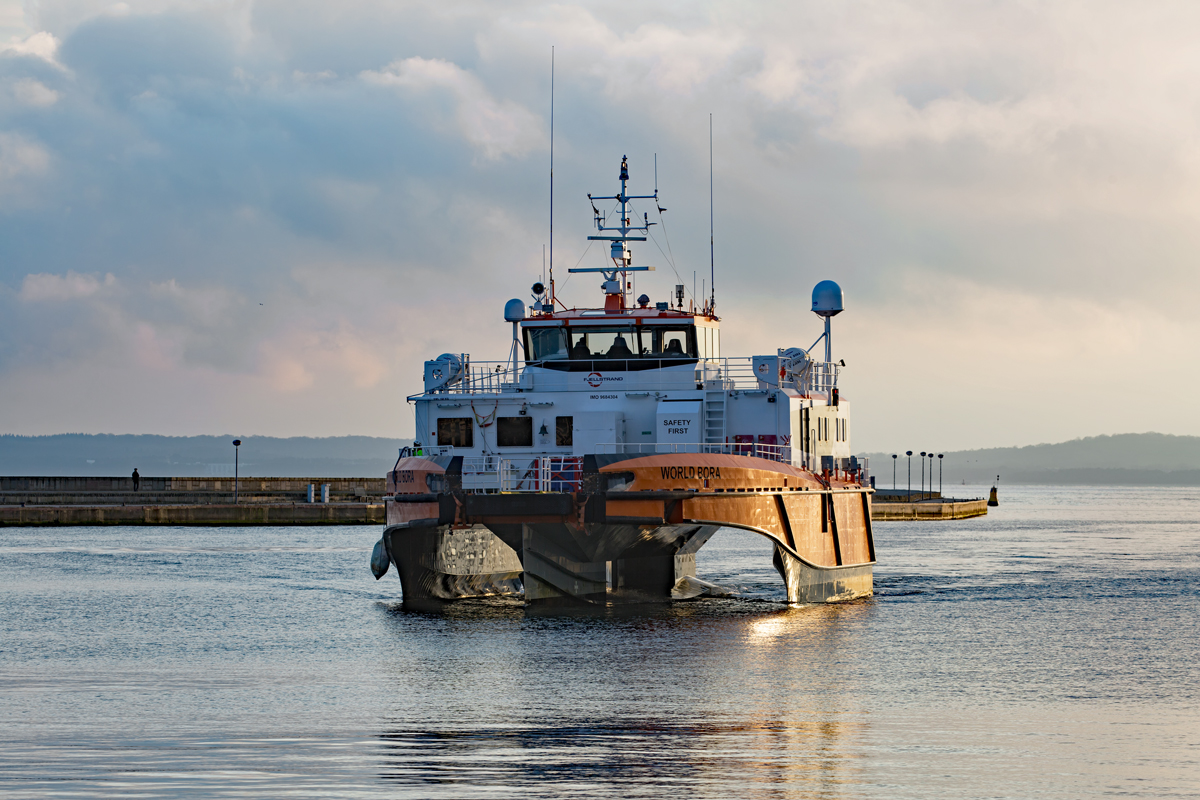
pixel 616 291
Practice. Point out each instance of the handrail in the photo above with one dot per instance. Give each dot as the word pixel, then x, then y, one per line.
pixel 733 373
pixel 771 452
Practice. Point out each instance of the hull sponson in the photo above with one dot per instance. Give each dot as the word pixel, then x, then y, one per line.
pixel 808 584
pixel 632 530
pixel 440 563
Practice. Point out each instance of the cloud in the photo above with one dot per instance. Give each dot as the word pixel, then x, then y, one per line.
pixel 33 92
pixel 21 156
pixel 49 288
pixel 498 128
pixel 298 203
pixel 41 45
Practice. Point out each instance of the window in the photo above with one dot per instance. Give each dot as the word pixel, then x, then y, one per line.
pixel 664 342
pixel 562 431
pixel 455 432
pixel 626 343
pixel 514 431
pixel 589 343
pixel 545 344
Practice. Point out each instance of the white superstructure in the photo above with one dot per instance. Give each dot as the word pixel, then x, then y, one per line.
pixel 629 378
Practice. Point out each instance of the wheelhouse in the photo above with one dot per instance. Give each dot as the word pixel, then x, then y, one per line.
pixel 630 341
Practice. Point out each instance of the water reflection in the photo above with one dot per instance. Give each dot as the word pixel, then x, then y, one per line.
pixel 691 697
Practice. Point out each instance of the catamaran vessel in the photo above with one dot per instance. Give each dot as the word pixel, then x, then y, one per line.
pixel 593 464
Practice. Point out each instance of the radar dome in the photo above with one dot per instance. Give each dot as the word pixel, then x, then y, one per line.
pixel 827 299
pixel 514 310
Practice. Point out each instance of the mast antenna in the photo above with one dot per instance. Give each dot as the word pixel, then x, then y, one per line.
pixel 712 254
pixel 551 177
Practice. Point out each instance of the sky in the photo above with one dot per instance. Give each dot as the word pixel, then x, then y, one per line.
pixel 263 217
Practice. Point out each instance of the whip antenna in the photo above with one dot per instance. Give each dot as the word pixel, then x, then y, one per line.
pixel 551 177
pixel 712 257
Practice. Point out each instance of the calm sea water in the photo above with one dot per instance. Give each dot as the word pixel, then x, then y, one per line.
pixel 1048 650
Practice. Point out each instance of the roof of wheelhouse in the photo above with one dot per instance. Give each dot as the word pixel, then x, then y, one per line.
pixel 592 316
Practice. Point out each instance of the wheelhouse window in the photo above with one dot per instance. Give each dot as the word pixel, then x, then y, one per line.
pixel 514 431
pixel 608 342
pixel 455 432
pixel 546 343
pixel 631 343
pixel 664 342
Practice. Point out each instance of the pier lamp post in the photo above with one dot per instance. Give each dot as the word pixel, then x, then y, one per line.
pixel 940 457
pixel 236 444
pixel 894 472
pixel 931 472
pixel 909 454
pixel 922 472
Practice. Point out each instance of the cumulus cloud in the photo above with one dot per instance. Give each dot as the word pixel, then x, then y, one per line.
pixel 19 156
pixel 496 127
pixel 42 45
pixel 33 92
pixel 46 287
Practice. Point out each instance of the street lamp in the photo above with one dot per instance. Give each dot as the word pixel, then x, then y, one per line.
pixel 930 472
pixel 940 457
pixel 922 472
pixel 894 472
pixel 236 444
pixel 909 454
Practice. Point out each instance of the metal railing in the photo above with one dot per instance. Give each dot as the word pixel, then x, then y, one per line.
pixel 738 374
pixel 771 452
pixel 492 473
pixel 535 474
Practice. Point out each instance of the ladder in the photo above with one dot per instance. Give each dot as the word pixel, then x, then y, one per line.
pixel 714 417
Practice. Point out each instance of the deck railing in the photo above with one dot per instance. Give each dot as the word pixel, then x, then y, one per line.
pixel 771 452
pixel 557 473
pixel 496 377
pixel 534 474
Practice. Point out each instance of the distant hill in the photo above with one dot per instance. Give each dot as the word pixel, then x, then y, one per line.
pixel 197 456
pixel 1138 459
pixel 1135 459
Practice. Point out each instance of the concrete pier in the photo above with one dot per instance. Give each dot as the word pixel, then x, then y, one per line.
pixel 62 501
pixel 207 514
pixel 929 509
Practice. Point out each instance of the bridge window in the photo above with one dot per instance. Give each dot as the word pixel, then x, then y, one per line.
pixel 545 344
pixel 514 431
pixel 664 342
pixel 589 343
pixel 455 432
pixel 709 340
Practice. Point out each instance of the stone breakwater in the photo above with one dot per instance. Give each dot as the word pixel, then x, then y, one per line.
pixel 929 509
pixel 41 501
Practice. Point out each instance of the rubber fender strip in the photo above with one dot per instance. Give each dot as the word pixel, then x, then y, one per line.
pixel 426 497
pixel 686 494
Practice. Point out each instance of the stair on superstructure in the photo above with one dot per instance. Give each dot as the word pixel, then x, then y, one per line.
pixel 714 417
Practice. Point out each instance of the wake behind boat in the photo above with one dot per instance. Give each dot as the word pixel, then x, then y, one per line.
pixel 593 464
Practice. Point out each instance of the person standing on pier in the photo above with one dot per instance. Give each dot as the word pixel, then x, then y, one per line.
pixel 136 479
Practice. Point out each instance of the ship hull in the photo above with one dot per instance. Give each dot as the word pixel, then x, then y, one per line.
pixel 631 533
pixel 442 562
